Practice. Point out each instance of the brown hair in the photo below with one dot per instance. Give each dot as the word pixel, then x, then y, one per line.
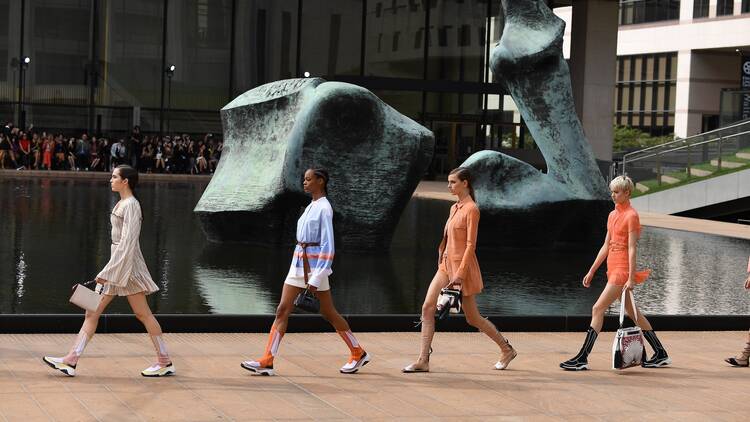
pixel 131 174
pixel 464 174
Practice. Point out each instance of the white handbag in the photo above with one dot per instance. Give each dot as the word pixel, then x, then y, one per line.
pixel 628 349
pixel 86 298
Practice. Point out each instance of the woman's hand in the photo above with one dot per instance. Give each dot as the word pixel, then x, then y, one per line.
pixel 100 280
pixel 457 282
pixel 630 285
pixel 587 279
pixel 312 288
pixel 747 282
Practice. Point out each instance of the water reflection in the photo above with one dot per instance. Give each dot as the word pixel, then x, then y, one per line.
pixel 56 232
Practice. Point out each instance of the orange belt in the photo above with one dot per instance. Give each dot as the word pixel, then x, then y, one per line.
pixel 305 262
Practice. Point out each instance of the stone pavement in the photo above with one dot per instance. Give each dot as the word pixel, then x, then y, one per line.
pixel 211 386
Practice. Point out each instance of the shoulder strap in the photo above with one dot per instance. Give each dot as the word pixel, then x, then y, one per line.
pixel 622 306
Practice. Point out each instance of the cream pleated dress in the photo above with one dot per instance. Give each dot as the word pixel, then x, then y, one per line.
pixel 126 272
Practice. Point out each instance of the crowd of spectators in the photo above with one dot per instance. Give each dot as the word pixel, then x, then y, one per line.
pixel 41 150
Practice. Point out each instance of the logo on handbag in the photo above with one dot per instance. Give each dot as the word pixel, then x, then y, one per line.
pixel 448 301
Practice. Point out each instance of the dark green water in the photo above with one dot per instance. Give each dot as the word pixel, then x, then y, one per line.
pixel 56 232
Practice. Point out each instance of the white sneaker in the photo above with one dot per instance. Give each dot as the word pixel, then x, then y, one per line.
pixel 353 365
pixel 257 368
pixel 57 363
pixel 157 370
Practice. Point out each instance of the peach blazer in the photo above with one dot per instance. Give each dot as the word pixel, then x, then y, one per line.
pixel 457 255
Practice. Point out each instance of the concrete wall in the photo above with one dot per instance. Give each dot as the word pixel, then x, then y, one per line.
pixel 696 195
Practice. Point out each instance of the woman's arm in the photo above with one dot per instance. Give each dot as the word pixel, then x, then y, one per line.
pixel 120 265
pixel 600 257
pixel 324 261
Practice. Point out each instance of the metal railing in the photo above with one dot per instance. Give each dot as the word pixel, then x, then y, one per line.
pixel 696 156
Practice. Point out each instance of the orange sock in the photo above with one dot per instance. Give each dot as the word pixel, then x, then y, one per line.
pixel 272 347
pixel 351 341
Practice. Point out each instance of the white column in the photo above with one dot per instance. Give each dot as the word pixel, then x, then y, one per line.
pixel 737 8
pixel 686 10
pixel 593 57
pixel 682 116
pixel 712 9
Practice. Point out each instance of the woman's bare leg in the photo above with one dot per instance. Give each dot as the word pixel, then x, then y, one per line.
pixel 358 357
pixel 429 307
pixel 88 329
pixel 475 319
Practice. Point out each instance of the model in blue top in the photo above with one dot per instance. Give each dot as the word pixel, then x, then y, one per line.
pixel 311 266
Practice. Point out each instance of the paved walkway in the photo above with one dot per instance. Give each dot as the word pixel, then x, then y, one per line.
pixel 211 386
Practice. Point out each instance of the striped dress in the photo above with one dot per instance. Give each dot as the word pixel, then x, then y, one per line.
pixel 126 272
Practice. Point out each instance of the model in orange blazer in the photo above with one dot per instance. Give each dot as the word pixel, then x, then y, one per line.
pixel 458 267
pixel 743 358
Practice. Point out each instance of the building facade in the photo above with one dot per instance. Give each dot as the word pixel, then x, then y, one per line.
pixel 676 60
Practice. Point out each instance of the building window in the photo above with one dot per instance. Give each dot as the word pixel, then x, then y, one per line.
pixel 396 36
pixel 724 7
pixel 642 11
pixel 645 92
pixel 464 36
pixel 700 9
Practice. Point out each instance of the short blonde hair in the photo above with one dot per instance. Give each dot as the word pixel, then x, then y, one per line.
pixel 622 183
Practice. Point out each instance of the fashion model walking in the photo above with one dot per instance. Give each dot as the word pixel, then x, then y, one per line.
pixel 126 275
pixel 458 267
pixel 310 268
pixel 620 251
pixel 743 358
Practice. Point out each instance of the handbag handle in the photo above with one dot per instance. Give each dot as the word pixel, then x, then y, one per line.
pixel 622 306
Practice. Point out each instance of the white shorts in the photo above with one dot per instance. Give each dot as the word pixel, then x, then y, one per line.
pixel 299 281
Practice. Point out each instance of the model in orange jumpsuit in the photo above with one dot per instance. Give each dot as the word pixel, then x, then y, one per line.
pixel 620 250
pixel 458 267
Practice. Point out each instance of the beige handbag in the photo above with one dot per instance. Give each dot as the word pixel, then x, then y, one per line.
pixel 86 298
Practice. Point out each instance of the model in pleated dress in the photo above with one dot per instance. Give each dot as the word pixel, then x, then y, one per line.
pixel 126 275
pixel 310 268
pixel 458 267
pixel 620 251
pixel 743 358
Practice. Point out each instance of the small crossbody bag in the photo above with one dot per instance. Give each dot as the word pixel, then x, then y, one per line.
pixel 628 349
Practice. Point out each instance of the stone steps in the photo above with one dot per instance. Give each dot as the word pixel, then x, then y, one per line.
pixel 727 164
pixel 699 172
pixel 743 155
pixel 669 180
pixel 641 188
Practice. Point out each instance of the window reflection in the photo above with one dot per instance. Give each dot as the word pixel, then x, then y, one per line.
pixel 331 37
pixel 389 24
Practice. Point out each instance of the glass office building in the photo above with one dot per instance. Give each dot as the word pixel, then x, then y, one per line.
pixel 103 65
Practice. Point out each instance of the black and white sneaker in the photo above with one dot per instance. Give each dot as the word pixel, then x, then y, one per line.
pixel 258 368
pixel 658 360
pixel 57 363
pixel 580 364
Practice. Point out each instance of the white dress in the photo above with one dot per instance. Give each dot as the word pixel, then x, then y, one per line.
pixel 126 272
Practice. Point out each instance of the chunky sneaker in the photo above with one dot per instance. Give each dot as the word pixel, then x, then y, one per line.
pixel 57 363
pixel 355 363
pixel 580 364
pixel 657 360
pixel 257 367
pixel 157 370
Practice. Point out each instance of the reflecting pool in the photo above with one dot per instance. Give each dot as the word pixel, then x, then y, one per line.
pixel 55 232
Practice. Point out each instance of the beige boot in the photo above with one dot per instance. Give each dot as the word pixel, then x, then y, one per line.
pixel 423 363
